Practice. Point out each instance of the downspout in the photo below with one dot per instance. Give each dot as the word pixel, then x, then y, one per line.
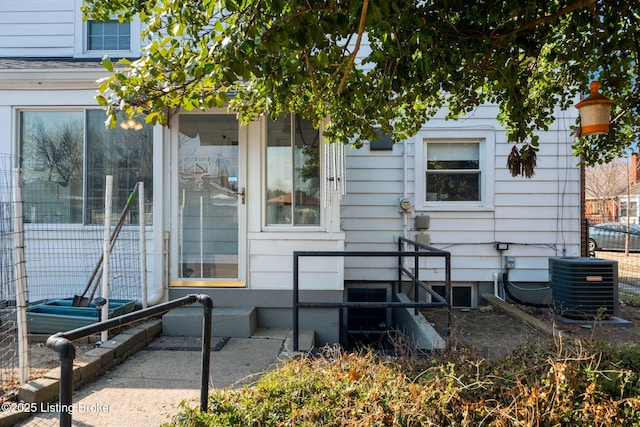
pixel 143 245
pixel 157 293
pixel 158 286
pixel 405 184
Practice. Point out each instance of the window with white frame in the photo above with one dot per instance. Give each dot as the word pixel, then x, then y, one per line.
pixel 625 211
pixel 292 163
pixel 65 157
pixel 453 172
pixel 94 39
pixel 454 169
pixel 108 36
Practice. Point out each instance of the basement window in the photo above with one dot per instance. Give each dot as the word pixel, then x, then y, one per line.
pixel 462 295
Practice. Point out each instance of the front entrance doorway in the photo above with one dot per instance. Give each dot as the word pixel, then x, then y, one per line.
pixel 210 201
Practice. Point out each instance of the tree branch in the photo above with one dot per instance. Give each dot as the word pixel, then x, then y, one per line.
pixel 310 70
pixel 352 58
pixel 546 19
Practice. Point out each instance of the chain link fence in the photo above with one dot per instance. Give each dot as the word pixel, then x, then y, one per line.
pixel 59 262
pixel 620 242
pixel 9 375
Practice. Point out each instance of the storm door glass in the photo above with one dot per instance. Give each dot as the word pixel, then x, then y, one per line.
pixel 208 200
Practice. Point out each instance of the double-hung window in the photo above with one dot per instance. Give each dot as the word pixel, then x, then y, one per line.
pixel 65 157
pixel 455 170
pixel 292 172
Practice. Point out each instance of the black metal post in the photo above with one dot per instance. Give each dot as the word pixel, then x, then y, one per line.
pixel 67 352
pixel 400 261
pixel 416 272
pixel 296 344
pixel 207 306
pixel 62 343
pixel 448 294
pixel 342 327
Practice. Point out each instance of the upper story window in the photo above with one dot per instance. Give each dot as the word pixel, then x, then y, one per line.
pixel 456 170
pixel 95 39
pixel 66 155
pixel 292 172
pixel 110 35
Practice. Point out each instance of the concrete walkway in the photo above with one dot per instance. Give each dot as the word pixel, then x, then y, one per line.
pixel 147 388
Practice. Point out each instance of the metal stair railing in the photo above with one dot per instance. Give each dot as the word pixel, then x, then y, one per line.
pixel 420 251
pixel 62 343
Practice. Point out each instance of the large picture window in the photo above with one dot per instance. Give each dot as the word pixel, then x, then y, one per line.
pixel 65 158
pixel 292 172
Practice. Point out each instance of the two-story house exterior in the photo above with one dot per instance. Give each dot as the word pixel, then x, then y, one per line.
pixel 228 204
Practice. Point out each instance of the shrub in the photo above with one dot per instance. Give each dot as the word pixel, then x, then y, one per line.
pixel 533 386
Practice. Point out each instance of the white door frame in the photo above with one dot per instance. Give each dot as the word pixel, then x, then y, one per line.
pixel 171 165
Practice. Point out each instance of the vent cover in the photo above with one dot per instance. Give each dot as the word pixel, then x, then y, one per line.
pixel 584 287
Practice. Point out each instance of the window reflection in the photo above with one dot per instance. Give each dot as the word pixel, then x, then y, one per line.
pixel 293 172
pixel 208 185
pixel 61 148
pixel 453 172
pixel 125 154
pixel 52 166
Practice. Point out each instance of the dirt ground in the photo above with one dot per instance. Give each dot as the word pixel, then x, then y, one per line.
pixel 41 360
pixel 491 332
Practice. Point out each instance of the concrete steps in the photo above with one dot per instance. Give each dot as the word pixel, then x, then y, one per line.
pixel 235 322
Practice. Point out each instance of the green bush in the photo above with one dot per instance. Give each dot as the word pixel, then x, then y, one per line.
pixel 580 386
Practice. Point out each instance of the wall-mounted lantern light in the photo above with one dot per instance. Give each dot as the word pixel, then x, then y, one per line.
pixel 595 112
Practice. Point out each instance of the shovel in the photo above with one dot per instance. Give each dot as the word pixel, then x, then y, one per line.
pixel 81 300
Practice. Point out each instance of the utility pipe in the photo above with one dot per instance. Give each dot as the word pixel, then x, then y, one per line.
pixel 107 252
pixel 21 285
pixel 143 244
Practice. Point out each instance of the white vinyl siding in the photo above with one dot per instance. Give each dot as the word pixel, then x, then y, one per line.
pixel 51 29
pixel 37 28
pixel 370 210
pixel 271 261
pixel 538 217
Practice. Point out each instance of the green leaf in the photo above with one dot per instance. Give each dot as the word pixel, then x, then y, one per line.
pixel 415 57
pixel 102 101
pixel 107 64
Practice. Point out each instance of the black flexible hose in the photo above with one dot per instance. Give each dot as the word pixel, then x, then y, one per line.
pixel 505 285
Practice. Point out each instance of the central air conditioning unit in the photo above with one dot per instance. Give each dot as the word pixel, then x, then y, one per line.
pixel 584 288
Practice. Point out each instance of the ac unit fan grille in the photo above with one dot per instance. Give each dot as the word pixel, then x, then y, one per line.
pixel 584 287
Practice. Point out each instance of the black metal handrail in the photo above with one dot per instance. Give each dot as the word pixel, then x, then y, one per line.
pixel 419 284
pixel 417 253
pixel 62 343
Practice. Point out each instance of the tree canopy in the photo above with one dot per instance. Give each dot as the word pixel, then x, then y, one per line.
pixel 389 65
